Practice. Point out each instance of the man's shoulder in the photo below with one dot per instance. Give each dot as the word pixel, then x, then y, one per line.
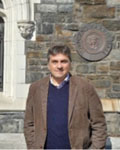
pixel 79 80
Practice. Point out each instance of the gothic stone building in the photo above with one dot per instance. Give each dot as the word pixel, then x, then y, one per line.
pixel 91 28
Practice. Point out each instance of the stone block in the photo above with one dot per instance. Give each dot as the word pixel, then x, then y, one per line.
pixel 113 121
pixel 39 27
pixel 46 8
pixel 11 122
pixel 91 68
pixel 33 76
pixel 38 17
pixel 44 69
pixel 76 57
pixel 110 105
pixel 39 46
pixel 42 40
pixel 69 18
pixel 115 77
pixel 39 38
pixel 94 11
pixel 66 34
pixel 33 62
pixel 115 66
pixel 72 27
pixel 33 68
pixel 34 54
pixel 92 2
pixel 48 1
pixel 8 127
pixel 117 15
pixel 61 17
pixel 65 1
pixel 113 94
pixel 48 17
pixel 103 68
pixel 97 77
pixel 112 3
pixel 47 28
pixel 102 83
pixel 98 2
pixel 29 45
pixel 112 25
pixel 58 30
pixel 115 54
pixel 118 37
pixel 44 62
pixel 118 45
pixel 82 69
pixel 116 87
pixel 64 18
pixel 65 8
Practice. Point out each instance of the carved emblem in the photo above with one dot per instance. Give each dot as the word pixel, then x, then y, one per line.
pixel 93 42
pixel 26 28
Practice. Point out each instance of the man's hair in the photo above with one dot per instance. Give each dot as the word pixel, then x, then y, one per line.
pixel 59 49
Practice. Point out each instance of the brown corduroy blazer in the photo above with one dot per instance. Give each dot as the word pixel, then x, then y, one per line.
pixel 86 126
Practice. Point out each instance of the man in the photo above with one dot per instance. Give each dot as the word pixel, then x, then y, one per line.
pixel 63 111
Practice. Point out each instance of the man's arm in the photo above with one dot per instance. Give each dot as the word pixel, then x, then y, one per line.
pixel 97 119
pixel 29 121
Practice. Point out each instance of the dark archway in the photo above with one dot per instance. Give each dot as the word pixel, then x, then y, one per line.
pixel 1 52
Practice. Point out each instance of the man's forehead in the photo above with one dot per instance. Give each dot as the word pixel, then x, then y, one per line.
pixel 59 55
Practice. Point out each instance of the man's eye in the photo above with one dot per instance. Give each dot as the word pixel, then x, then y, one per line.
pixel 54 62
pixel 64 61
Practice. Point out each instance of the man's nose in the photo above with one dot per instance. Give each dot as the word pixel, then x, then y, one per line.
pixel 59 65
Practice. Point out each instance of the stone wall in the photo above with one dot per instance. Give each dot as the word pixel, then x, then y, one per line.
pixel 57 21
pixel 12 122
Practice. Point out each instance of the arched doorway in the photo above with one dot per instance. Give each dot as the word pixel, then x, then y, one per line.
pixel 13 84
pixel 13 66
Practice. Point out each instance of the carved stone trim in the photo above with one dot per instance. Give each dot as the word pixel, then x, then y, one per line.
pixel 112 3
pixel 93 42
pixel 26 28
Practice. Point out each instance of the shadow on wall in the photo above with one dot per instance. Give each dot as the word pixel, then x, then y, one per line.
pixel 108 144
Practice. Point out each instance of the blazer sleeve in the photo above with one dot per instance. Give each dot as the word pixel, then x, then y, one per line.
pixel 29 121
pixel 97 119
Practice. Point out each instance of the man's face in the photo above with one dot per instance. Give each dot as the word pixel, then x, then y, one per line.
pixel 59 65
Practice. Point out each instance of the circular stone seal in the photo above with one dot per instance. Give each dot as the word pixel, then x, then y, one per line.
pixel 93 42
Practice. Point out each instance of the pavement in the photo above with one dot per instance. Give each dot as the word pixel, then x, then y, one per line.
pixel 16 141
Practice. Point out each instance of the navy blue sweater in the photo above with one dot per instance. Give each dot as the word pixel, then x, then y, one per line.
pixel 57 118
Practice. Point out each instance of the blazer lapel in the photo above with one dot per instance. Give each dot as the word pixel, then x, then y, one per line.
pixel 44 96
pixel 72 97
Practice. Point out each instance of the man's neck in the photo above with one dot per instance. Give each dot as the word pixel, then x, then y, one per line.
pixel 57 82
